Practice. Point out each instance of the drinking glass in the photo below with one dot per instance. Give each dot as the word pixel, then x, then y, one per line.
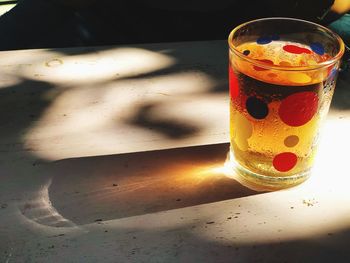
pixel 282 75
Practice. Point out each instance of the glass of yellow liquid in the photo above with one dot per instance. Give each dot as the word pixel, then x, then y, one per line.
pixel 282 75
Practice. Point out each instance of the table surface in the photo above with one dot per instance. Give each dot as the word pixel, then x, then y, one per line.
pixel 115 154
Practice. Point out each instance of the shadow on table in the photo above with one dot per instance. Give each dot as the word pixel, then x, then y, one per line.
pixel 144 182
pixel 85 189
pixel 124 185
pixel 185 244
pixel 130 184
pixel 178 245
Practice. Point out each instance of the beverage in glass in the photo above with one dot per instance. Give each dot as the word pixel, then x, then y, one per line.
pixel 282 75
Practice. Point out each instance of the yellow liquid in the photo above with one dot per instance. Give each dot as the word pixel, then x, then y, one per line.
pixel 267 137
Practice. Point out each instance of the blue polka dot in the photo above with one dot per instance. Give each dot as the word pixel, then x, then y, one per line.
pixel 317 48
pixel 267 39
pixel 264 40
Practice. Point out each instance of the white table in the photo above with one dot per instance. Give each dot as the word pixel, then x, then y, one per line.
pixel 115 154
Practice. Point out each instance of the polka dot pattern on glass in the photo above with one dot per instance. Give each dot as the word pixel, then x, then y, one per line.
pixel 299 108
pixel 291 141
pixel 263 40
pixel 234 85
pixel 317 48
pixel 267 125
pixel 257 108
pixel 243 132
pixel 296 49
pixel 284 162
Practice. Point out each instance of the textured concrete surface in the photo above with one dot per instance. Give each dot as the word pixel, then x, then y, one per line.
pixel 116 154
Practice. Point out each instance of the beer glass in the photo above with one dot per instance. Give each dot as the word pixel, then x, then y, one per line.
pixel 282 75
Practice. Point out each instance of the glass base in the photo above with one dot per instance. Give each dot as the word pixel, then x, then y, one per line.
pixel 260 182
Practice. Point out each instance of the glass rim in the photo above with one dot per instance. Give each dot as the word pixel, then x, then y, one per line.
pixel 256 62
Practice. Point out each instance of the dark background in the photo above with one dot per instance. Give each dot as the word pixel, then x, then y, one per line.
pixel 63 23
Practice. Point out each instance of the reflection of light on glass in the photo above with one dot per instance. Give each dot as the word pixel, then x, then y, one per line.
pixel 224 169
pixel 228 169
pixel 98 66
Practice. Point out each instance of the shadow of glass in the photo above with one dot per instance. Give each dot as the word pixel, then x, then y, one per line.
pixel 25 103
pixel 124 185
pixel 22 106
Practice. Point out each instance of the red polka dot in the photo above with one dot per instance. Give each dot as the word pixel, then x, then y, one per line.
pixel 266 61
pixel 296 50
pixel 233 82
pixel 284 162
pixel 298 108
